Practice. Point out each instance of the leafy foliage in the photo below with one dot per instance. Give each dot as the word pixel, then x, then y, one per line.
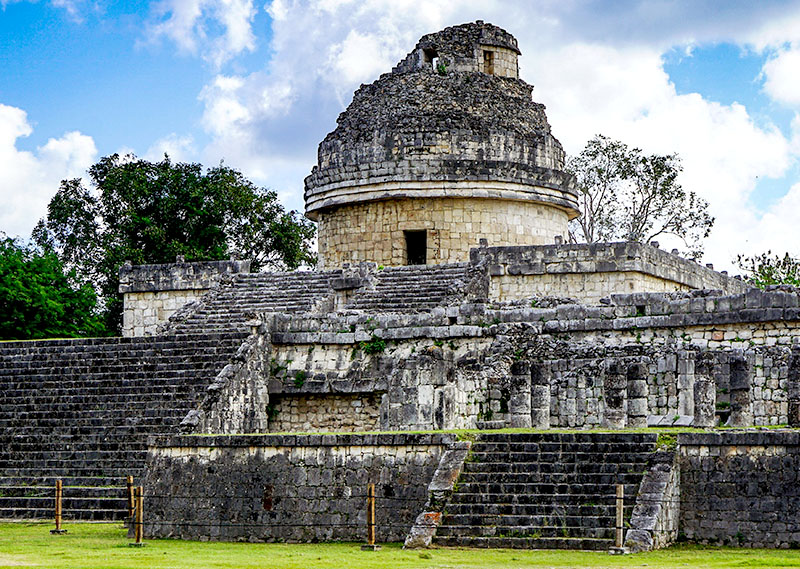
pixel 627 195
pixel 768 269
pixel 39 299
pixel 150 212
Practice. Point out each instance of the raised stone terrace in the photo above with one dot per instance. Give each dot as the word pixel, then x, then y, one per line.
pixel 81 411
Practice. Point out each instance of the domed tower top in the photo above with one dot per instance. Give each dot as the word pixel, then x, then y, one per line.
pixel 469 47
pixel 447 149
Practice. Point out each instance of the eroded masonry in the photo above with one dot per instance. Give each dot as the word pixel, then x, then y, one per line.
pixel 446 299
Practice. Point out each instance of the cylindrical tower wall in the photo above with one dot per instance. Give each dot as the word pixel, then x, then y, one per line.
pixel 377 231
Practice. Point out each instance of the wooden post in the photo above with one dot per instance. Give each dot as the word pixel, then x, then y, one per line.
pixel 138 527
pixel 59 495
pixel 620 516
pixel 370 546
pixel 131 504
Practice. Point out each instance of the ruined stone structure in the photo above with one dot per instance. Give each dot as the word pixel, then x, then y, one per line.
pixel 153 293
pixel 446 148
pixel 224 395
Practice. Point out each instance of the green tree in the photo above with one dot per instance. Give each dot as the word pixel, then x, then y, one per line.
pixel 768 269
pixel 150 212
pixel 624 194
pixel 39 299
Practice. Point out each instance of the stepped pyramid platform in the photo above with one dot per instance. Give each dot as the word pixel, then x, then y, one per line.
pixel 81 411
pixel 544 490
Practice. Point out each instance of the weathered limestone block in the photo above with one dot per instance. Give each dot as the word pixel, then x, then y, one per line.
pixel 615 382
pixel 740 386
pixel 638 392
pixel 705 402
pixel 439 491
pixel 654 520
pixel 704 394
pixel 519 404
pixel 541 375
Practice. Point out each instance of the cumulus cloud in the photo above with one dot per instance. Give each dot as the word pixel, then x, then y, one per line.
pixel 217 30
pixel 179 148
pixel 29 179
pixel 782 76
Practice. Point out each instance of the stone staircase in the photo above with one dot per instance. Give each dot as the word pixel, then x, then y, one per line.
pixel 234 303
pixel 412 288
pixel 544 490
pixel 81 411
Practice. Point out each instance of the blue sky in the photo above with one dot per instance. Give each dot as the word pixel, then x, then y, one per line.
pixel 259 85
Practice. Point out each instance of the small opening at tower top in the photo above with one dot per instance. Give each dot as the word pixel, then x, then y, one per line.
pixel 416 247
pixel 430 57
pixel 488 62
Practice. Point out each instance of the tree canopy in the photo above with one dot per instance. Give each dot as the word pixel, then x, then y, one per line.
pixel 40 299
pixel 150 212
pixel 624 194
pixel 768 269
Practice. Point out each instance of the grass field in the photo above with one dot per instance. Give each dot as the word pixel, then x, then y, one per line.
pixel 100 546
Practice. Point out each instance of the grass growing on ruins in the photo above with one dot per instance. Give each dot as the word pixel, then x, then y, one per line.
pixel 101 546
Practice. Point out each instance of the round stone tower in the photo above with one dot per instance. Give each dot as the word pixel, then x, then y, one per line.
pixel 447 149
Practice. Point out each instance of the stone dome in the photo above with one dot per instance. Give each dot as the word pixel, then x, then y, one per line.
pixel 451 121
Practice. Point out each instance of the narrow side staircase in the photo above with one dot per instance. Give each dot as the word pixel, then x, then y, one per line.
pixel 412 288
pixel 544 490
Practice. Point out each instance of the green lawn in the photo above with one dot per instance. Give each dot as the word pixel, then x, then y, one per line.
pixel 98 546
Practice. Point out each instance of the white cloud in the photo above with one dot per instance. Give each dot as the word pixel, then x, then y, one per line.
pixel 29 179
pixel 782 72
pixel 71 7
pixel 194 26
pixel 179 149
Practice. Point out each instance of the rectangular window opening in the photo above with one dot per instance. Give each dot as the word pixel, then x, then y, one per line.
pixel 488 62
pixel 431 57
pixel 416 247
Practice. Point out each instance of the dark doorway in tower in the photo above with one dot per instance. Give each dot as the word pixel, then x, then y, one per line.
pixel 416 247
pixel 488 62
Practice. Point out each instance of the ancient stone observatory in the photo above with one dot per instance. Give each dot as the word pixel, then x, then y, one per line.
pixel 447 149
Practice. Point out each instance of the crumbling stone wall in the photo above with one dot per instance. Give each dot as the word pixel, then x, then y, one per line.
pixel 287 487
pixel 741 488
pixel 686 358
pixel 461 48
pixel 413 385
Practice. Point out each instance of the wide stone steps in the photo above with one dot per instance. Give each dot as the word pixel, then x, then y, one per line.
pixel 90 515
pixel 87 484
pixel 575 544
pixel 81 411
pixel 534 507
pixel 544 490
pixel 511 526
pixel 31 507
